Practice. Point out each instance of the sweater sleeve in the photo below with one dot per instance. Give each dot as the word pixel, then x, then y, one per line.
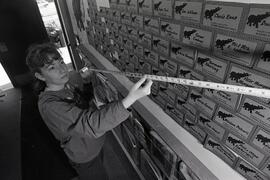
pixel 71 120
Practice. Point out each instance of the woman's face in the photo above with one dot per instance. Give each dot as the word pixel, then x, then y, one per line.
pixel 55 73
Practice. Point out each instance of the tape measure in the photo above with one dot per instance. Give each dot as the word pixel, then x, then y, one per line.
pixel 258 92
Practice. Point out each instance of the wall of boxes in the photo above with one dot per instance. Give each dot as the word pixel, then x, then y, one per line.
pixel 214 41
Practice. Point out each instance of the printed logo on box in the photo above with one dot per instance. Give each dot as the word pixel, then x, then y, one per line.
pixel 256 111
pixel 264 60
pixel 161 46
pixel 228 99
pixel 213 67
pixel 197 37
pixel 195 130
pixel 249 171
pixel 151 25
pixel 145 7
pixel 258 22
pixel 234 123
pixel 182 54
pixel 222 17
pixel 170 30
pixel 203 104
pixel 221 151
pixel 163 8
pixel 245 150
pixel 266 168
pixel 211 127
pixel 188 11
pixel 234 49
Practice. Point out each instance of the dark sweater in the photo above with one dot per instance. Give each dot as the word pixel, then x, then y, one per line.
pixel 81 131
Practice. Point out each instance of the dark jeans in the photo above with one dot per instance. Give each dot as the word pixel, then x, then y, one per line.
pixel 92 170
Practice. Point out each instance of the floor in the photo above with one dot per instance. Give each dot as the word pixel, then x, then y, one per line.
pixel 43 159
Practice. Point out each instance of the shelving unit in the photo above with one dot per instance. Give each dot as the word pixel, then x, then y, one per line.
pixel 204 163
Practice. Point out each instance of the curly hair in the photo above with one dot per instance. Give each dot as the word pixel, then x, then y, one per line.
pixel 37 57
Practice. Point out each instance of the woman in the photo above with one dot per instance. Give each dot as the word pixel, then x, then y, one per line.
pixel 68 108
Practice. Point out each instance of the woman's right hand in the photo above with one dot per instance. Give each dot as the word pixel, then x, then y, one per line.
pixel 138 91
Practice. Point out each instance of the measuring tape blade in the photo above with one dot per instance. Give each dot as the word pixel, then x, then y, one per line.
pixel 265 93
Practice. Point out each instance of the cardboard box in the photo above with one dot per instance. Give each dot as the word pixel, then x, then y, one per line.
pixel 224 16
pixel 132 33
pixel 198 38
pixel 258 20
pixel 246 151
pixel 266 168
pixel 263 61
pixel 151 25
pixel 221 151
pixel 235 49
pixel 261 140
pixel 163 8
pixel 177 115
pixel 202 103
pixel 161 46
pixel 137 21
pixel 211 127
pixel 132 6
pixel 168 65
pixel 256 111
pixel 145 7
pixel 230 100
pixel 170 30
pixel 234 123
pixel 211 66
pixel 194 129
pixel 144 39
pixel 238 75
pixel 189 11
pixel 187 73
pixel 182 54
pixel 167 94
pixel 249 171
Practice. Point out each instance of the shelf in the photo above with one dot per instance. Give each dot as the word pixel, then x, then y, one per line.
pixel 205 164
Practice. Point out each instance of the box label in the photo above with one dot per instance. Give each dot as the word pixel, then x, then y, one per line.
pixel 258 22
pixel 221 151
pixel 170 30
pixel 222 17
pixel 188 11
pixel 245 150
pixel 197 37
pixel 213 67
pixel 234 49
pixel 234 123
pixel 182 54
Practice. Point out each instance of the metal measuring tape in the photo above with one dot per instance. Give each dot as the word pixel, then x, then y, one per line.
pixel 265 93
